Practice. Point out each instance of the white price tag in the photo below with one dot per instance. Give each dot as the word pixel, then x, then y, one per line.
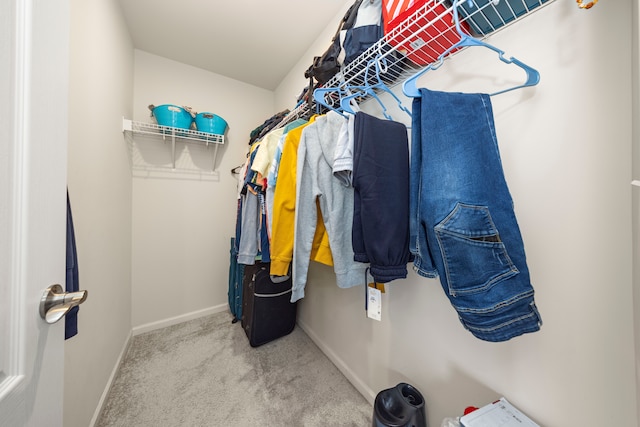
pixel 374 303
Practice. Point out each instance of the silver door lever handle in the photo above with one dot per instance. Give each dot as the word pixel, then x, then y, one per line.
pixel 55 302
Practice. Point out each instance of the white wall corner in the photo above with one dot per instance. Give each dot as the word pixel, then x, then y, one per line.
pixel 152 326
pixel 107 388
pixel 342 366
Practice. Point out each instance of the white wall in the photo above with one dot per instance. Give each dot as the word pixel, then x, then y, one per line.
pixel 566 151
pixel 636 175
pixel 182 223
pixel 99 182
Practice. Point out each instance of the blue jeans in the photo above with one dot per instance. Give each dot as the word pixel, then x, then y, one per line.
pixel 463 227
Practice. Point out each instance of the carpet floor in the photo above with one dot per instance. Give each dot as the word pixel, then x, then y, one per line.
pixel 204 373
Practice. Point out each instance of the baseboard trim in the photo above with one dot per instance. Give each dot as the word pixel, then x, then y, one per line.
pixel 152 326
pixel 360 385
pixel 107 388
pixel 142 329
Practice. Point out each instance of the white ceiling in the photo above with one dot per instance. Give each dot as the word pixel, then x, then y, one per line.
pixel 253 41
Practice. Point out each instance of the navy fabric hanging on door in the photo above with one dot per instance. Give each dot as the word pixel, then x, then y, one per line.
pixel 72 283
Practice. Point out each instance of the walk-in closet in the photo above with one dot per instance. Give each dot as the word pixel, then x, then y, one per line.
pixel 481 241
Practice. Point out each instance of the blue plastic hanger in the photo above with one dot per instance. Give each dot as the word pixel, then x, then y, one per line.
pixel 369 90
pixel 345 102
pixel 410 89
pixel 320 96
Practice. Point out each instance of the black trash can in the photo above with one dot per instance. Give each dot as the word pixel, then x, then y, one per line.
pixel 399 406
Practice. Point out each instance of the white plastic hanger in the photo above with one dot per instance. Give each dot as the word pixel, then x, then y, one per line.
pixel 410 88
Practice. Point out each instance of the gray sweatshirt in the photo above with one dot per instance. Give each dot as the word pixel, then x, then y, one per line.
pixel 315 179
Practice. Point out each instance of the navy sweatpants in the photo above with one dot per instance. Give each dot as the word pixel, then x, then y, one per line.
pixel 381 205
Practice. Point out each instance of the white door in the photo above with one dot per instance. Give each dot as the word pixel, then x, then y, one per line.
pixel 33 132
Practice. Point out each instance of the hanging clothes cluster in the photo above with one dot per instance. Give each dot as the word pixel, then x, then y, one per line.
pixel 342 190
pixel 331 189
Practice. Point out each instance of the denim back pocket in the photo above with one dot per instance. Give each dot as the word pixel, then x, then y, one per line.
pixel 474 256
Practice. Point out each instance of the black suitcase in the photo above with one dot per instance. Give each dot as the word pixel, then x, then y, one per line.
pixel 267 312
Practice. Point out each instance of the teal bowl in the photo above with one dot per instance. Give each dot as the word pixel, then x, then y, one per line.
pixel 211 123
pixel 172 115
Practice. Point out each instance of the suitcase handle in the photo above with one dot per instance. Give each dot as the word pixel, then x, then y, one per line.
pixel 273 295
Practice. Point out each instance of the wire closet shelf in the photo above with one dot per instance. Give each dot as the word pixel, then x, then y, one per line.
pixel 152 129
pixel 168 155
pixel 418 40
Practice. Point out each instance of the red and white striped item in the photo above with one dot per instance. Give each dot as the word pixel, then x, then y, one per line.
pixel 393 8
pixel 424 31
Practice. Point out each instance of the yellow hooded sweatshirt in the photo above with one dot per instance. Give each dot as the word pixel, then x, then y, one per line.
pixel 284 204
